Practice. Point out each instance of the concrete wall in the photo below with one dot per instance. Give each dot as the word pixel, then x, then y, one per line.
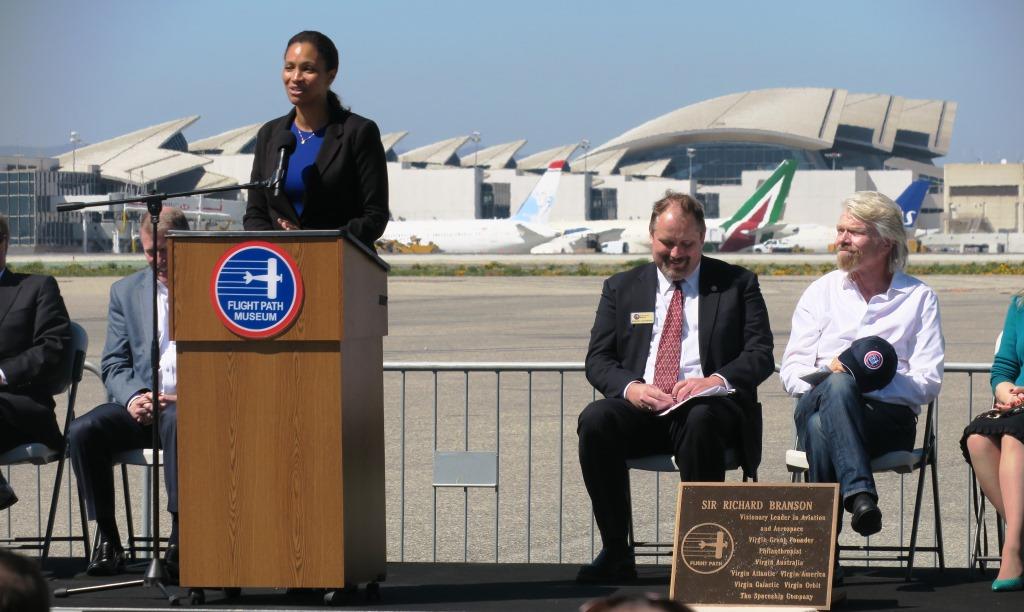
pixel 434 193
pixel 570 201
pixel 636 196
pixel 984 211
pixel 454 193
pixel 238 167
pixel 815 196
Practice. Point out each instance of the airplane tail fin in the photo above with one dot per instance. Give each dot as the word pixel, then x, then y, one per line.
pixel 537 206
pixel 761 212
pixel 910 201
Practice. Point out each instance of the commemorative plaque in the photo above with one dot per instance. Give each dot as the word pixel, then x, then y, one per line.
pixel 754 544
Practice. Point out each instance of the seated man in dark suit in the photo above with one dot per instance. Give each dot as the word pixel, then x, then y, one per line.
pixel 34 330
pixel 680 326
pixel 126 423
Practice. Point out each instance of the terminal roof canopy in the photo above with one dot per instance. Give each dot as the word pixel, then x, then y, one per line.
pixel 437 154
pixel 870 120
pixel 541 161
pixel 497 156
pixel 806 118
pixel 150 154
pixel 654 168
pixel 233 142
pixel 389 140
pixel 718 139
pixel 926 126
pixel 599 162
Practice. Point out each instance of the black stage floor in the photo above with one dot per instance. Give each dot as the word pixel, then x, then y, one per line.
pixel 457 586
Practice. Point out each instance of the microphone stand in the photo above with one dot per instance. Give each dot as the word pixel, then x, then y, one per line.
pixel 154 205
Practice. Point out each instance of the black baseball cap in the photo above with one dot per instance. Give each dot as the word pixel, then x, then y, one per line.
pixel 872 361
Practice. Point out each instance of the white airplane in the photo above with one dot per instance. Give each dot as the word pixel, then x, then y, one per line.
pixel 740 231
pixel 816 237
pixel 517 234
pixel 272 278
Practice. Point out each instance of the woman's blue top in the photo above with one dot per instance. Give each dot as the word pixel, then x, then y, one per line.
pixel 1010 355
pixel 306 150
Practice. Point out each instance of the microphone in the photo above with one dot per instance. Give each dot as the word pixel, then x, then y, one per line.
pixel 284 142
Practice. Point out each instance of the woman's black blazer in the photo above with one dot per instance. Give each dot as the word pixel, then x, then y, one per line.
pixel 347 187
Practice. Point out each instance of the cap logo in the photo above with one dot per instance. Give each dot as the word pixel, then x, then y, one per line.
pixel 873 360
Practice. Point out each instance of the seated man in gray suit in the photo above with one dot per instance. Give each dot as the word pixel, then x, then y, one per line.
pixel 126 422
pixel 34 330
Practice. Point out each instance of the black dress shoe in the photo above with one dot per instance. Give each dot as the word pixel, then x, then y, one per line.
pixel 107 559
pixel 609 567
pixel 171 564
pixel 867 518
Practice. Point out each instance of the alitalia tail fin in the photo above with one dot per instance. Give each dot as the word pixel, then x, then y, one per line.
pixel 760 212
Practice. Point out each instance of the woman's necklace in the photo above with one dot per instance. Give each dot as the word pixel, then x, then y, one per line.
pixel 305 137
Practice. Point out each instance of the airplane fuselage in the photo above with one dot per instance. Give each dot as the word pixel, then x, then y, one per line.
pixel 471 235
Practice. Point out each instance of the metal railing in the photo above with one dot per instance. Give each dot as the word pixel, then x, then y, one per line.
pixel 448 385
pixel 536 509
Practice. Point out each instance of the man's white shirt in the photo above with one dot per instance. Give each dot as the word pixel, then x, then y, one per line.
pixel 832 313
pixel 168 352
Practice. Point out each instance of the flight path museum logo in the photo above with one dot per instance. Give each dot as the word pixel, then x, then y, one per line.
pixel 256 289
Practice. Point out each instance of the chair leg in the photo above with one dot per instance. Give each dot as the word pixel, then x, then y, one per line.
pixel 54 498
pixel 980 549
pixel 630 536
pixel 128 512
pixel 938 514
pixel 85 528
pixel 917 520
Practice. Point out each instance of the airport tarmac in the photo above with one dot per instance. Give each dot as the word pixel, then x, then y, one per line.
pixel 569 259
pixel 548 319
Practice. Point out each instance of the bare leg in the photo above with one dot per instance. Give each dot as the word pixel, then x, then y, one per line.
pixel 985 455
pixel 1011 484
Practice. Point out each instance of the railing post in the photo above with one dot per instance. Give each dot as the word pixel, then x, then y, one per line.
pixel 529 460
pixel 401 489
pixel 434 489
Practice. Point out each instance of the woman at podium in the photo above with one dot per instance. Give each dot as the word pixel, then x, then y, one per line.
pixel 336 174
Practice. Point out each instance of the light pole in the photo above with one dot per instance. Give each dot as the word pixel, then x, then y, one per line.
pixel 475 137
pixel 691 153
pixel 585 145
pixel 833 155
pixel 74 140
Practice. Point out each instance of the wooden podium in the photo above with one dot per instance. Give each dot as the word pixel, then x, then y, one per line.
pixel 281 439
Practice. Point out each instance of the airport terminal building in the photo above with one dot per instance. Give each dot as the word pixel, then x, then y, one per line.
pixel 718 149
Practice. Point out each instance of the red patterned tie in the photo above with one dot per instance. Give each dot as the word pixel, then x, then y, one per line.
pixel 666 367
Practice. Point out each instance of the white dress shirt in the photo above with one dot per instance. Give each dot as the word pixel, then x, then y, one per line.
pixel 689 356
pixel 168 352
pixel 832 313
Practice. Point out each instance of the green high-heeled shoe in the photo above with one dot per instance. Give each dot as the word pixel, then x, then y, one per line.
pixel 1008 584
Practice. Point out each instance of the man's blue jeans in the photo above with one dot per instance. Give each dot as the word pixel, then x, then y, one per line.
pixel 841 431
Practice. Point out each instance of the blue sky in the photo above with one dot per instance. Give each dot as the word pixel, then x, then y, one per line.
pixel 550 72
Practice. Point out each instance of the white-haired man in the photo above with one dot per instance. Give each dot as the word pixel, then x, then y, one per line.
pixel 840 426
